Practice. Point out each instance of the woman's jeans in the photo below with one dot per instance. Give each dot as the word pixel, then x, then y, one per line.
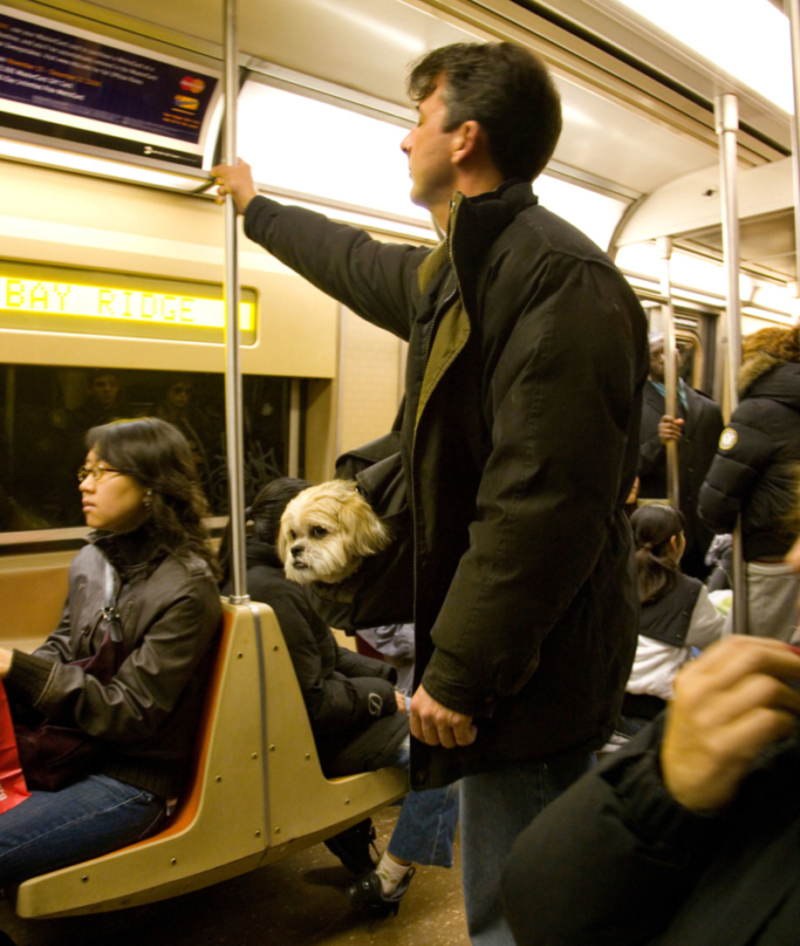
pixel 54 829
pixel 427 823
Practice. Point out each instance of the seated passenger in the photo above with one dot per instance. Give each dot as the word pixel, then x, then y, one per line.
pixel 358 718
pixel 676 615
pixel 142 610
pixel 689 834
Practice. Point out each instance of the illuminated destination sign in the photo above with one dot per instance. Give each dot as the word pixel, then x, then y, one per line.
pixel 57 299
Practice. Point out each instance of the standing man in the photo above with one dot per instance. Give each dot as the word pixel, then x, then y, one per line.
pixel 696 429
pixel 527 357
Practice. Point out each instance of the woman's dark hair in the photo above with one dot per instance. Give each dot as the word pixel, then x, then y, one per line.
pixel 653 526
pixel 157 454
pixel 265 514
pixel 503 87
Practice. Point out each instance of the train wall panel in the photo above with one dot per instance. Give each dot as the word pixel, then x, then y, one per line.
pixel 53 217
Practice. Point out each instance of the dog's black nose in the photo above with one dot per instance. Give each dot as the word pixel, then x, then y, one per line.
pixel 296 549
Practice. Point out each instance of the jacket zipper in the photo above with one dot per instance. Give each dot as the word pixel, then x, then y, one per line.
pixel 428 343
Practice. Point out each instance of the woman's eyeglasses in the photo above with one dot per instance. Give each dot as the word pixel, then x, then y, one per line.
pixel 97 470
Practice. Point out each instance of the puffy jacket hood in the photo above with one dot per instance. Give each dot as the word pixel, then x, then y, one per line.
pixel 779 381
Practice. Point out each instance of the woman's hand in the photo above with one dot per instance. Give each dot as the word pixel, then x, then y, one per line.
pixel 401 701
pixel 728 705
pixel 5 661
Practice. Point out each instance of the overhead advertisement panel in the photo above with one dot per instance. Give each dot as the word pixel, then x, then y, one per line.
pixel 66 83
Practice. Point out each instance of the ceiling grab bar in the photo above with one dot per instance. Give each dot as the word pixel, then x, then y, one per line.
pixel 726 112
pixel 670 370
pixel 234 426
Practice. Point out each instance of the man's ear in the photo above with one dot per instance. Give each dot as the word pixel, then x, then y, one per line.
pixel 468 140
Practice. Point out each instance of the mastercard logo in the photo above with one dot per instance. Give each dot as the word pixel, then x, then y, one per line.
pixel 191 84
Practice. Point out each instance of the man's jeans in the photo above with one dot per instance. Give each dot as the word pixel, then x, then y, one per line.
pixel 495 808
pixel 54 829
pixel 427 822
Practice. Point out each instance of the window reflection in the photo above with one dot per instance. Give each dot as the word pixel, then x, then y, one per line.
pixel 46 412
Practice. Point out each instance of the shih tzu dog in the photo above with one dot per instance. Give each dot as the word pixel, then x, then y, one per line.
pixel 326 533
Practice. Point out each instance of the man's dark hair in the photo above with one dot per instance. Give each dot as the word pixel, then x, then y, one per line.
pixel 503 87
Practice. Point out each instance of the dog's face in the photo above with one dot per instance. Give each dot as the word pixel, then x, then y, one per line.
pixel 327 531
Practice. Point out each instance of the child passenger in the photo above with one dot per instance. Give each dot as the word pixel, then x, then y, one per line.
pixel 676 615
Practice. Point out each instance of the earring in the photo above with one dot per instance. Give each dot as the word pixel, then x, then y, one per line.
pixel 148 498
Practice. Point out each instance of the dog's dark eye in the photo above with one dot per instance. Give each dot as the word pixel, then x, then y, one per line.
pixel 292 533
pixel 318 532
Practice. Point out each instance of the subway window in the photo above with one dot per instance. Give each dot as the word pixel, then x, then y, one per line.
pixel 48 410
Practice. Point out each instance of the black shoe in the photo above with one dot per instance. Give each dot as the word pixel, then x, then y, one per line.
pixel 367 893
pixel 352 847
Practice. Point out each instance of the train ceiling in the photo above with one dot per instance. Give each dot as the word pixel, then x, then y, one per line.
pixel 637 105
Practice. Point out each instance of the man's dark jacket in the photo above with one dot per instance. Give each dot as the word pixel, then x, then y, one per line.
pixel 350 698
pixel 755 468
pixel 527 355
pixel 696 448
pixel 615 861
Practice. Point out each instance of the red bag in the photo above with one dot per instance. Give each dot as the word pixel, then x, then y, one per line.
pixel 13 789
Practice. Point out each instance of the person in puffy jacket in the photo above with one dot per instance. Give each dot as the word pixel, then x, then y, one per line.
pixel 754 473
pixel 358 718
pixel 150 556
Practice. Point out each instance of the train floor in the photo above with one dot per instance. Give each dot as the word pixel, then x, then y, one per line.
pixel 299 901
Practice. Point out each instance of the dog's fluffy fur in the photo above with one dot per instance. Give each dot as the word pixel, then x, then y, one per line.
pixel 327 531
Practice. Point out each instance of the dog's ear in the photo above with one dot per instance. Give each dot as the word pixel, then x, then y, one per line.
pixel 283 537
pixel 366 531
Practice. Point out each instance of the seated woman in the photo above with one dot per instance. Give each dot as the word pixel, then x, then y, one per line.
pixel 143 600
pixel 358 718
pixel 676 617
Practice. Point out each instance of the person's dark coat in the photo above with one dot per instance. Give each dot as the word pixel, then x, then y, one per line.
pixel 350 699
pixel 527 355
pixel 616 861
pixel 755 469
pixel 146 718
pixel 699 438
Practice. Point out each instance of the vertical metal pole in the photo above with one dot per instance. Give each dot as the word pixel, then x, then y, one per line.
pixel 670 370
pixel 726 110
pixel 11 407
pixel 792 7
pixel 294 428
pixel 234 426
pixel 339 385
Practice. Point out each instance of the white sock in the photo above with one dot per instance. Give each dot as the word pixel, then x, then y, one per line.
pixel 390 873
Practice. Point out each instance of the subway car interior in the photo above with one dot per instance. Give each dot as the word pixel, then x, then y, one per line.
pixel 113 256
